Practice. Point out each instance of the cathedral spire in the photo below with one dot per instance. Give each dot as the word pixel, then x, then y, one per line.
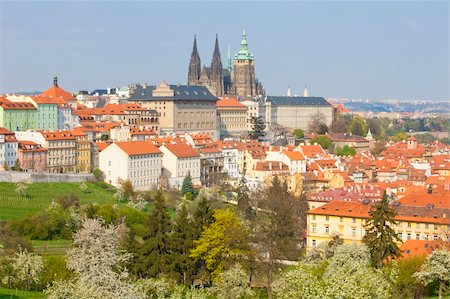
pixel 55 81
pixel 194 65
pixel 217 70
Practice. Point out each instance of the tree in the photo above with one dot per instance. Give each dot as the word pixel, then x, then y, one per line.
pixel 182 243
pixel 16 166
pixel 125 190
pixel 99 175
pixel 380 237
pixel 278 230
pixel 187 187
pixel 243 200
pixel 223 242
pixel 28 266
pixel 203 216
pixel 340 123
pixel 345 151
pixel 436 268
pixel 22 188
pixel 232 283
pixel 258 128
pixel 316 124
pixel 302 282
pixel 83 187
pixel 357 126
pixel 298 133
pixel 97 262
pixel 324 141
pixel 400 136
pixel 152 257
pixel 379 147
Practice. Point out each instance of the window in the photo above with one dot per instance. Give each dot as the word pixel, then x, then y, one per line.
pixel 327 229
pixel 409 224
pixel 417 225
pixel 314 217
pixel 341 219
pixel 435 227
pixel 354 232
pixel 313 228
pixel 408 236
pixel 435 237
pixel 327 218
pixel 400 236
pixel 314 243
pixel 417 236
pixel 354 220
pixel 427 226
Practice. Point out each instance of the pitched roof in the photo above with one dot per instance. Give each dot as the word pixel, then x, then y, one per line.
pixel 180 92
pixel 57 135
pixel 294 155
pixel 182 150
pixel 8 105
pixel 133 148
pixel 230 103
pixel 342 208
pixel 58 92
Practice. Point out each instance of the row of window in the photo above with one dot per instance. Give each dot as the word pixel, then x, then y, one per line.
pixel 145 172
pixel 203 125
pixel 196 114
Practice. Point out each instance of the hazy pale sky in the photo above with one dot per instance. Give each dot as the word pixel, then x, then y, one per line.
pixel 348 49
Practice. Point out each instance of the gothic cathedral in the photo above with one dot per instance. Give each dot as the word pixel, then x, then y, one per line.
pixel 238 80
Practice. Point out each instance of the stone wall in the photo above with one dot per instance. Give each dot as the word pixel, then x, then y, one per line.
pixel 15 176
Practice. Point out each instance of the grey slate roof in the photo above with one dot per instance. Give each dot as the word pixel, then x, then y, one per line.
pixel 181 92
pixel 297 101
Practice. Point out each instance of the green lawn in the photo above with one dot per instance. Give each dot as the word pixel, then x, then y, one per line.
pixel 51 247
pixel 18 294
pixel 42 194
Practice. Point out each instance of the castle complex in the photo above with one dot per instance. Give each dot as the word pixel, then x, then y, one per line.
pixel 238 80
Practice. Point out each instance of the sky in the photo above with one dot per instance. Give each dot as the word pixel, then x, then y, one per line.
pixel 349 49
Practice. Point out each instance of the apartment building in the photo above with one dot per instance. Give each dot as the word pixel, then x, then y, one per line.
pixel 137 161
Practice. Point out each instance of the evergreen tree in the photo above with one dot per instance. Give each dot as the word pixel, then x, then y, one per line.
pixel 243 200
pixel 182 243
pixel 187 187
pixel 203 216
pixel 152 257
pixel 380 237
pixel 258 128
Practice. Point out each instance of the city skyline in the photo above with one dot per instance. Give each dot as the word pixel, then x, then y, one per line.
pixel 348 52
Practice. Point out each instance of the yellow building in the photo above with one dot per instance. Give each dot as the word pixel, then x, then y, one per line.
pixel 83 151
pixel 231 117
pixel 347 220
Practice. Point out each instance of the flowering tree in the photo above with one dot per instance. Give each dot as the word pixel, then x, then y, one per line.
pixel 21 188
pixel 232 283
pixel 28 267
pixel 96 260
pixel 436 268
pixel 83 186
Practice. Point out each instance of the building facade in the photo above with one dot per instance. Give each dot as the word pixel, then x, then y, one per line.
pixel 16 116
pixel 231 117
pixel 183 109
pixel 138 161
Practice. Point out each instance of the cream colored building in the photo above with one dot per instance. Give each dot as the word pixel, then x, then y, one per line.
pixel 179 160
pixel 347 220
pixel 231 117
pixel 137 161
pixel 183 109
pixel 83 153
pixel 61 145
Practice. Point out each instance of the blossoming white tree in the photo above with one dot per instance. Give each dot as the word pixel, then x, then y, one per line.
pixel 96 260
pixel 27 266
pixel 436 268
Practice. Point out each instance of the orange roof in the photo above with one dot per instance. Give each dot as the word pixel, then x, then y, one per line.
pixel 413 248
pixel 343 208
pixel 294 155
pixel 102 145
pixel 57 135
pixel 78 132
pixel 8 105
pixel 230 103
pixel 57 92
pixel 133 148
pixel 182 150
pixel 5 131
pixel 311 150
pixel 270 166
pixel 422 199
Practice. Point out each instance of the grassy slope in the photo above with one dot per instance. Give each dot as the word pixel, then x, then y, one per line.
pixel 18 294
pixel 42 194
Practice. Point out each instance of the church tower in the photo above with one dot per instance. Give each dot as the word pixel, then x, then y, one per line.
pixel 194 65
pixel 244 81
pixel 217 71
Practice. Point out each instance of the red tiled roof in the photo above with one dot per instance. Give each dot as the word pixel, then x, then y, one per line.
pixel 57 135
pixel 230 103
pixel 270 166
pixel 8 105
pixel 182 150
pixel 58 92
pixel 294 155
pixel 133 148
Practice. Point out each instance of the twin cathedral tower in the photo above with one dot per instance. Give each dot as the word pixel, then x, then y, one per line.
pixel 237 79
